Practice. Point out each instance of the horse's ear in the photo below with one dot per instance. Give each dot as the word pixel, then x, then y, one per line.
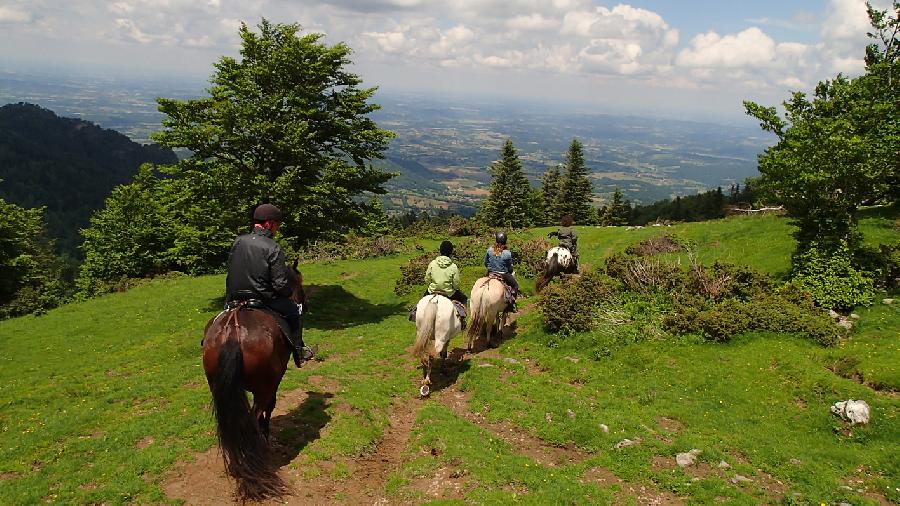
pixel 296 261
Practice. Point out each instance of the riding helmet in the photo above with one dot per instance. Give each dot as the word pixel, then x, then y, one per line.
pixel 267 212
pixel 500 237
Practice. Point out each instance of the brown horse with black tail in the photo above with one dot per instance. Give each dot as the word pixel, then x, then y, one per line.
pixel 245 349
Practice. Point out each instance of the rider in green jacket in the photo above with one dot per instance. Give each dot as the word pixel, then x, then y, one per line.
pixel 567 238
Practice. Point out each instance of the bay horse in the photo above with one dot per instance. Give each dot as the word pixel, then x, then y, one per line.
pixel 559 260
pixel 488 309
pixel 436 324
pixel 245 349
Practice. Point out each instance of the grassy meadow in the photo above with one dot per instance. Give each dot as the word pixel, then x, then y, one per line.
pixel 99 400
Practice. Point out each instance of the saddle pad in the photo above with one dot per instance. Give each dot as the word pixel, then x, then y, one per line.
pixel 279 320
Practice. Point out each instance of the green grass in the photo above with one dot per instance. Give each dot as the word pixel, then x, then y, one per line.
pixel 98 400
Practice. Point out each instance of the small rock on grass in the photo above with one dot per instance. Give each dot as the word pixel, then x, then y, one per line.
pixel 510 360
pixel 795 462
pixel 736 479
pixel 854 316
pixel 855 412
pixel 724 465
pixel 834 314
pixel 604 428
pixel 625 443
pixel 687 458
pixel 887 301
pixel 570 413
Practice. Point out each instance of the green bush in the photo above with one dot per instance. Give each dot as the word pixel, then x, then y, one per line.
pixel 529 257
pixel 412 274
pixel 352 247
pixel 774 312
pixel 570 303
pixel 831 278
pixel 645 275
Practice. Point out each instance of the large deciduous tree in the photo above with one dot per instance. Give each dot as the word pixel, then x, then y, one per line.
pixel 511 201
pixel 840 149
pixel 290 123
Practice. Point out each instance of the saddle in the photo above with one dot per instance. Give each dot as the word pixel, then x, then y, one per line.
pixel 508 294
pixel 258 305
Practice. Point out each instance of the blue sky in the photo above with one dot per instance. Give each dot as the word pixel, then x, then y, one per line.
pixel 696 59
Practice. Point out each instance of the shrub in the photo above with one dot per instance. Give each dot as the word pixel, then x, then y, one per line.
pixel 772 312
pixel 412 274
pixel 883 263
pixel 570 304
pixel 529 257
pixel 654 246
pixel 645 275
pixel 352 247
pixel 830 277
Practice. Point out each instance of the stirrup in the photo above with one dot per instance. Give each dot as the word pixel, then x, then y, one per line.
pixel 308 352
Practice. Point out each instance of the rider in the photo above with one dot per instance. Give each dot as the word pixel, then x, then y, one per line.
pixel 567 238
pixel 498 260
pixel 442 277
pixel 256 270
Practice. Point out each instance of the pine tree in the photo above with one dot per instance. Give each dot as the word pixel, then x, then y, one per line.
pixel 509 202
pixel 618 211
pixel 550 189
pixel 576 189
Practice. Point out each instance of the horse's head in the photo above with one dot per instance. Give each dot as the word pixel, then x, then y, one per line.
pixel 296 282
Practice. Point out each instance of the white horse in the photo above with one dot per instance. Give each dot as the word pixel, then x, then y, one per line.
pixel 487 309
pixel 559 260
pixel 436 324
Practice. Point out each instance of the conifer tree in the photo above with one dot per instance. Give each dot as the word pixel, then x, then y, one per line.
pixel 618 211
pixel 550 188
pixel 576 189
pixel 509 202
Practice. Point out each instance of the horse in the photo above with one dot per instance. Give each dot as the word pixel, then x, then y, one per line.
pixel 245 349
pixel 559 261
pixel 436 324
pixel 488 310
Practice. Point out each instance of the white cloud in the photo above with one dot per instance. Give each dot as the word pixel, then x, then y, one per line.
pixel 749 48
pixel 13 15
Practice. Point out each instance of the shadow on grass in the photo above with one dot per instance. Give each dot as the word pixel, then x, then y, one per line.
pixel 446 371
pixel 299 427
pixel 333 307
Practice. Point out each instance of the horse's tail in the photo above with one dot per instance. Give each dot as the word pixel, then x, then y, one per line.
pixel 244 449
pixel 475 326
pixel 425 332
pixel 550 270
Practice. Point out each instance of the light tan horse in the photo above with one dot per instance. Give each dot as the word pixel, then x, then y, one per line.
pixel 487 307
pixel 436 324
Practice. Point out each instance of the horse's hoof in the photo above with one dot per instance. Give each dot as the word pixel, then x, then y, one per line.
pixel 424 390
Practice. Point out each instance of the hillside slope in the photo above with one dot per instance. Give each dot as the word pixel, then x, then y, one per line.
pixel 68 165
pixel 105 401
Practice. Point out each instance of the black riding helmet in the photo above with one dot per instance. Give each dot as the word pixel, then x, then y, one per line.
pixel 446 248
pixel 267 212
pixel 500 237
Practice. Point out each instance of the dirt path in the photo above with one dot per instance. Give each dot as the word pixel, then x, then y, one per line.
pixel 203 481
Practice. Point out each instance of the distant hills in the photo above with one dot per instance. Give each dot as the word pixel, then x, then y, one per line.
pixel 68 165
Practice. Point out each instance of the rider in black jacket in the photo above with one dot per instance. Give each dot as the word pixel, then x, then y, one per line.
pixel 257 270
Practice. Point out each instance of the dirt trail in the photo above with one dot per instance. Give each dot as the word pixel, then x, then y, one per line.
pixel 203 481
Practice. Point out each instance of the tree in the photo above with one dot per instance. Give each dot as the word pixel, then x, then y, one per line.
pixel 288 122
pixel 510 203
pixel 31 276
pixel 837 151
pixel 131 237
pixel 576 189
pixel 550 190
pixel 618 211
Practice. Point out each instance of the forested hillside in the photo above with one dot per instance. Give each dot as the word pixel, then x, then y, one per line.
pixel 65 164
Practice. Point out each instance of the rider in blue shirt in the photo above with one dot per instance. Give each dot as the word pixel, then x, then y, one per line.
pixel 498 259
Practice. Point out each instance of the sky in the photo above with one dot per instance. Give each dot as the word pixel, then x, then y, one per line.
pixel 696 59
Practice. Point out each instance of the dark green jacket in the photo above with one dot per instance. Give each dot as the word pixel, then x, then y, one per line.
pixel 567 238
